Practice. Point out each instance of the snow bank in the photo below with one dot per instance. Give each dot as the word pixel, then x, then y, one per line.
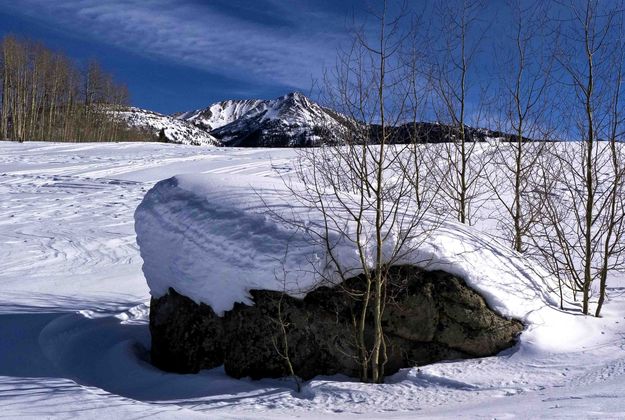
pixel 213 238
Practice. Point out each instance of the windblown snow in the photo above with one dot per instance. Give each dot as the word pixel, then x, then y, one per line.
pixel 214 238
pixel 74 302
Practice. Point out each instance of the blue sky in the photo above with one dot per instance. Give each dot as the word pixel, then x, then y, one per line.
pixel 177 55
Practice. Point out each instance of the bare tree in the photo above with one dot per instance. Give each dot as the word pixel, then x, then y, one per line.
pixel 521 108
pixel 415 161
pixel 461 36
pixel 582 181
pixel 41 93
pixel 280 340
pixel 366 204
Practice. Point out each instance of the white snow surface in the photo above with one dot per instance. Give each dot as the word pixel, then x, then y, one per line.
pixel 213 238
pixel 74 307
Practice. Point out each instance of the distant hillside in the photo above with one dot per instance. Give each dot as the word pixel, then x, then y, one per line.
pixel 167 128
pixel 428 132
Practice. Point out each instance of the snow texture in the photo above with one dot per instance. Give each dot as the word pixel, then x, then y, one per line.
pixel 213 238
pixel 74 313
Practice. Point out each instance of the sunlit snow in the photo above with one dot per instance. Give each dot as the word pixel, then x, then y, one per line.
pixel 74 314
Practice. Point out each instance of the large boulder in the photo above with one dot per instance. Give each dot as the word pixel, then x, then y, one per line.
pixel 430 316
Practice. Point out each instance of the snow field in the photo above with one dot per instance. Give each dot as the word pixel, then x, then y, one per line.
pixel 73 313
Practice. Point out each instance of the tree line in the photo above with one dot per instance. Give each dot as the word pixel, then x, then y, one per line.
pixel 46 96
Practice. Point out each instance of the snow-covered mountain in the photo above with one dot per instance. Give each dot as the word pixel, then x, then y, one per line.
pixel 221 113
pixel 290 120
pixel 175 130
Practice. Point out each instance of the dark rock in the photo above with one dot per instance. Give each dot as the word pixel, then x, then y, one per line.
pixel 431 316
pixel 186 337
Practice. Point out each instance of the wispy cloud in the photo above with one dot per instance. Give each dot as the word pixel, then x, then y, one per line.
pixel 267 40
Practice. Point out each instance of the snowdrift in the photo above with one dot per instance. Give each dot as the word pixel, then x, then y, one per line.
pixel 214 238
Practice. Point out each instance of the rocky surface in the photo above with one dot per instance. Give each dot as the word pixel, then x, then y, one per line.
pixel 432 316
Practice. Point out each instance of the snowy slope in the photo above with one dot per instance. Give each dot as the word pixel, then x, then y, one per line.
pixel 74 318
pixel 221 113
pixel 290 120
pixel 175 130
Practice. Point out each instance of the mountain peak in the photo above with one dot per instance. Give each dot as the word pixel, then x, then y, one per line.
pixel 289 120
pixel 296 95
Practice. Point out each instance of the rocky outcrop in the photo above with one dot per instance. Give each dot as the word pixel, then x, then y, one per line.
pixel 432 316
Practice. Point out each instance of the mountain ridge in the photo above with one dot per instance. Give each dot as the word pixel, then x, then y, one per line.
pixel 291 120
